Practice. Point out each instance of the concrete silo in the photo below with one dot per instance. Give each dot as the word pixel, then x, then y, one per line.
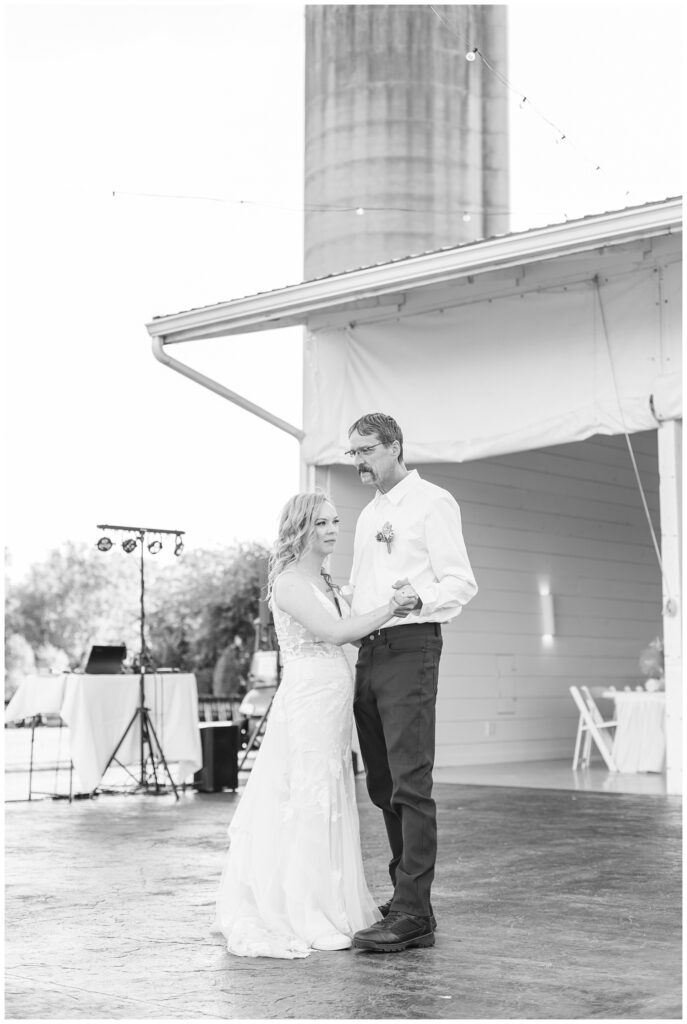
pixel 399 124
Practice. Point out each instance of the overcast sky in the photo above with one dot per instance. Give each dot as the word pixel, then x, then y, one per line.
pixel 151 101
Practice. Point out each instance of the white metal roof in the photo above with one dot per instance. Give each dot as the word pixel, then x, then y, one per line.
pixel 292 305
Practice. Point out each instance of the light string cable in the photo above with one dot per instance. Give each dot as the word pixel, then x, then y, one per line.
pixel 472 52
pixel 561 135
pixel 657 550
pixel 307 207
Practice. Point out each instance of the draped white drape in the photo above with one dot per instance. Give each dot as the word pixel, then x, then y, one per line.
pixel 513 373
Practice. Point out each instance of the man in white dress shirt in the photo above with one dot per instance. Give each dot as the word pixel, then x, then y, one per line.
pixel 408 537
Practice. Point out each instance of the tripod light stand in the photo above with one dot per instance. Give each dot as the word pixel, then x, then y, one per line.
pixel 151 754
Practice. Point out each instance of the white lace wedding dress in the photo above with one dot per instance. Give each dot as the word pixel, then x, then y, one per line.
pixel 294 871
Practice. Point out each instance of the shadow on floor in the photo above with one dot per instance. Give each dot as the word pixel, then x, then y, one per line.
pixel 550 904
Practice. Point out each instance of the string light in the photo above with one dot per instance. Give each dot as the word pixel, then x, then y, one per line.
pixel 355 210
pixel 471 56
pixel 475 52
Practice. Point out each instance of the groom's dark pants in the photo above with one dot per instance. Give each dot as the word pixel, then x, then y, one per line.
pixel 395 698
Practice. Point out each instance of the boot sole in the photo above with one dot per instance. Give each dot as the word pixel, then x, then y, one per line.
pixel 421 941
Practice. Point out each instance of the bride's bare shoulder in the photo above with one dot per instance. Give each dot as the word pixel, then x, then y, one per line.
pixel 288 582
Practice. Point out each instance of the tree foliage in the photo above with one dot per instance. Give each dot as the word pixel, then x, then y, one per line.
pixel 195 606
pixel 73 598
pixel 200 605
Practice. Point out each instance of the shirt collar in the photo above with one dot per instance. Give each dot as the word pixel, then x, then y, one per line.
pixel 403 487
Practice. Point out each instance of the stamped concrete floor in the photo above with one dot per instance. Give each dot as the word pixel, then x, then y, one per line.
pixel 550 905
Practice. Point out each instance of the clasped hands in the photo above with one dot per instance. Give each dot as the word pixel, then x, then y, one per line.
pixel 406 599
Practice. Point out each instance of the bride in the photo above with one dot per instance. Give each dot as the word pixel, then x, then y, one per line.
pixel 293 880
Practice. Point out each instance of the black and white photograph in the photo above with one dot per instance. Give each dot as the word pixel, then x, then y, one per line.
pixel 343 516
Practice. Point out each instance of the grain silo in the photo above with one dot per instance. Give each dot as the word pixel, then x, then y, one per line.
pixel 406 140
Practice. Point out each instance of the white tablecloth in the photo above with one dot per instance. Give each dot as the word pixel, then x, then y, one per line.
pixel 98 708
pixel 640 736
pixel 37 695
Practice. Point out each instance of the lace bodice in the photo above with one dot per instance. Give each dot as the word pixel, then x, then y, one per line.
pixel 295 641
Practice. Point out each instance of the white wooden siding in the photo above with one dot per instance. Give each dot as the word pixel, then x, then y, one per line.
pixel 570 516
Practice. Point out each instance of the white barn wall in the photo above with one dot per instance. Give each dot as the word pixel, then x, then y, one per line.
pixel 570 516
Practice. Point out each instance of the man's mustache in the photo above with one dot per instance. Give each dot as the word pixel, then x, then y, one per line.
pixel 364 469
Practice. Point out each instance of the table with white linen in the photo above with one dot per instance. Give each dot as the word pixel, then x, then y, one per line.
pixel 98 708
pixel 639 744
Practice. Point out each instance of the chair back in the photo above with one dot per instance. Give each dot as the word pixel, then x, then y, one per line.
pixel 592 726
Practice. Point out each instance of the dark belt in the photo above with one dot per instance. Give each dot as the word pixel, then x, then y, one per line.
pixel 409 629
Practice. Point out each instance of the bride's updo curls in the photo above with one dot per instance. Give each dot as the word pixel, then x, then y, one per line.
pixel 296 526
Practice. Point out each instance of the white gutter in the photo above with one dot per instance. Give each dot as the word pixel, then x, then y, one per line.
pixel 219 389
pixel 291 306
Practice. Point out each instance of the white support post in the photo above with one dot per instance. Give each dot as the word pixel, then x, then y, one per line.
pixel 669 463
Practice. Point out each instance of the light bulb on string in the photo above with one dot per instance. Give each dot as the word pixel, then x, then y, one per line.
pixel 360 211
pixel 466 217
pixel 471 54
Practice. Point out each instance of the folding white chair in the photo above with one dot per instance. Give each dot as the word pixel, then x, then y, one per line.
pixel 591 726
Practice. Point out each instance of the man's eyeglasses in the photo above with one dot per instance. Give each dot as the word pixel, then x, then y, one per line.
pixel 363 451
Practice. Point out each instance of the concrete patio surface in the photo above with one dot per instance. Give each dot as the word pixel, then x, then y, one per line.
pixel 550 905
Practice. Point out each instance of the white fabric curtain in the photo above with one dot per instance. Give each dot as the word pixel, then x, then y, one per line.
pixel 504 375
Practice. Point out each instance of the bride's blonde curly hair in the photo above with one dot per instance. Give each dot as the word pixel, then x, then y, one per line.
pixel 296 527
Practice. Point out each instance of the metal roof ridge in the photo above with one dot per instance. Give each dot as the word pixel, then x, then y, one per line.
pixel 297 300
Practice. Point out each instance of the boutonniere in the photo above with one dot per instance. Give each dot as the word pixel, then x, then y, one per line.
pixel 386 535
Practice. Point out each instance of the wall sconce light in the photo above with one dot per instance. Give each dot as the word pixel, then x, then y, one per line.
pixel 548 619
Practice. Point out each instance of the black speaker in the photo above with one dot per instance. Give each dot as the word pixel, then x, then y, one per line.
pixel 220 745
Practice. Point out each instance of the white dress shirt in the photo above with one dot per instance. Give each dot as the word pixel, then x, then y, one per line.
pixel 427 549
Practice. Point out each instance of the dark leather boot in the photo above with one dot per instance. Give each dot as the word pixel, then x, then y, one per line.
pixel 384 909
pixel 394 933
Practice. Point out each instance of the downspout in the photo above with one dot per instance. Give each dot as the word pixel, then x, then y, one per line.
pixel 219 389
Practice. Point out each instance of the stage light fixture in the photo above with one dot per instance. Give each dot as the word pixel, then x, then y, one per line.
pixel 129 545
pixel 178 545
pixel 104 544
pixel 155 546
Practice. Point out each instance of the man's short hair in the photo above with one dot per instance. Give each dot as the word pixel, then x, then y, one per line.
pixel 385 427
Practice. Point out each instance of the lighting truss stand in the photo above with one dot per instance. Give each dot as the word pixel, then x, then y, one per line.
pixel 151 757
pixel 151 752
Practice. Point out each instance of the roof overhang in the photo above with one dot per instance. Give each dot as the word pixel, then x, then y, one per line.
pixel 293 305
